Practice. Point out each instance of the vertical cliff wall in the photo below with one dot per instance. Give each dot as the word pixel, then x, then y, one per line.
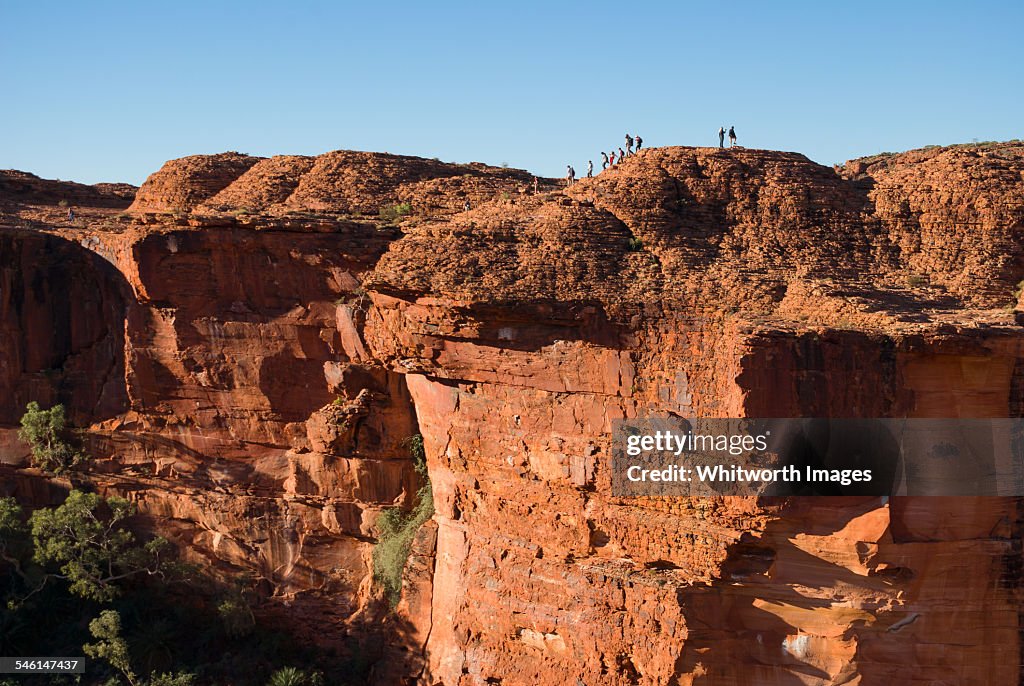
pixel 540 576
pixel 62 322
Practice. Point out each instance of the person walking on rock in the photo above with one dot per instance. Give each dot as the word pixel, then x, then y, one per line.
pixel 536 185
pixel 629 144
pixel 613 158
pixel 590 169
pixel 622 155
pixel 468 206
pixel 604 161
pixel 721 136
pixel 639 142
pixel 71 214
pixel 570 175
pixel 732 136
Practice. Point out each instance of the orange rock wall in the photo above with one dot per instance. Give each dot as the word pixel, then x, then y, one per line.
pixel 541 577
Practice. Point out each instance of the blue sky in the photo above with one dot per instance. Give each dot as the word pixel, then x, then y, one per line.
pixel 107 91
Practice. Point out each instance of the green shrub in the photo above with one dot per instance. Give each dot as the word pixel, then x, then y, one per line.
pixel 291 676
pixel 168 679
pixel 397 529
pixel 917 280
pixel 414 444
pixel 236 615
pixel 392 213
pixel 634 244
pixel 47 434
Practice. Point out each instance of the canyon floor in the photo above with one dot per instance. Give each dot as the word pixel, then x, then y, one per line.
pixel 251 343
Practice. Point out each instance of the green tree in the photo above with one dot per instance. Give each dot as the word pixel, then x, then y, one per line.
pixel 48 435
pixel 87 537
pixel 110 645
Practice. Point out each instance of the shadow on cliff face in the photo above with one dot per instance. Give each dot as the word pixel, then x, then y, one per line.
pixel 761 622
pixel 62 314
pixel 853 589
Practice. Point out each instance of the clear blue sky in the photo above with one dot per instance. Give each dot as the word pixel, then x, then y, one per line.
pixel 106 91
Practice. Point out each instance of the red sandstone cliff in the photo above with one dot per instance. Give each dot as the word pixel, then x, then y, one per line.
pixel 252 345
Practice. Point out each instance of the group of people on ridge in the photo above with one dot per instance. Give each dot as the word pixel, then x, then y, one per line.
pixel 607 159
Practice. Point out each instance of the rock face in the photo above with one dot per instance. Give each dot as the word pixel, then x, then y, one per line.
pixel 62 313
pixel 279 343
pixel 182 184
pixel 336 183
pixel 19 188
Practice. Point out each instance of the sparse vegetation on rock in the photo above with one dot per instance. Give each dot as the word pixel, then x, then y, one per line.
pixel 292 676
pixel 50 438
pixel 392 213
pixel 397 528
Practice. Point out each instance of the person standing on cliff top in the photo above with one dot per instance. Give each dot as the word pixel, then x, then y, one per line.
pixel 570 175
pixel 590 169
pixel 604 160
pixel 721 136
pixel 639 142
pixel 629 144
pixel 536 185
pixel 732 136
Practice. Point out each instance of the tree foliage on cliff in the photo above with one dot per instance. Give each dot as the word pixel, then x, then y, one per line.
pixel 110 645
pixel 48 435
pixel 15 544
pixel 397 528
pixel 85 539
pixel 165 634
